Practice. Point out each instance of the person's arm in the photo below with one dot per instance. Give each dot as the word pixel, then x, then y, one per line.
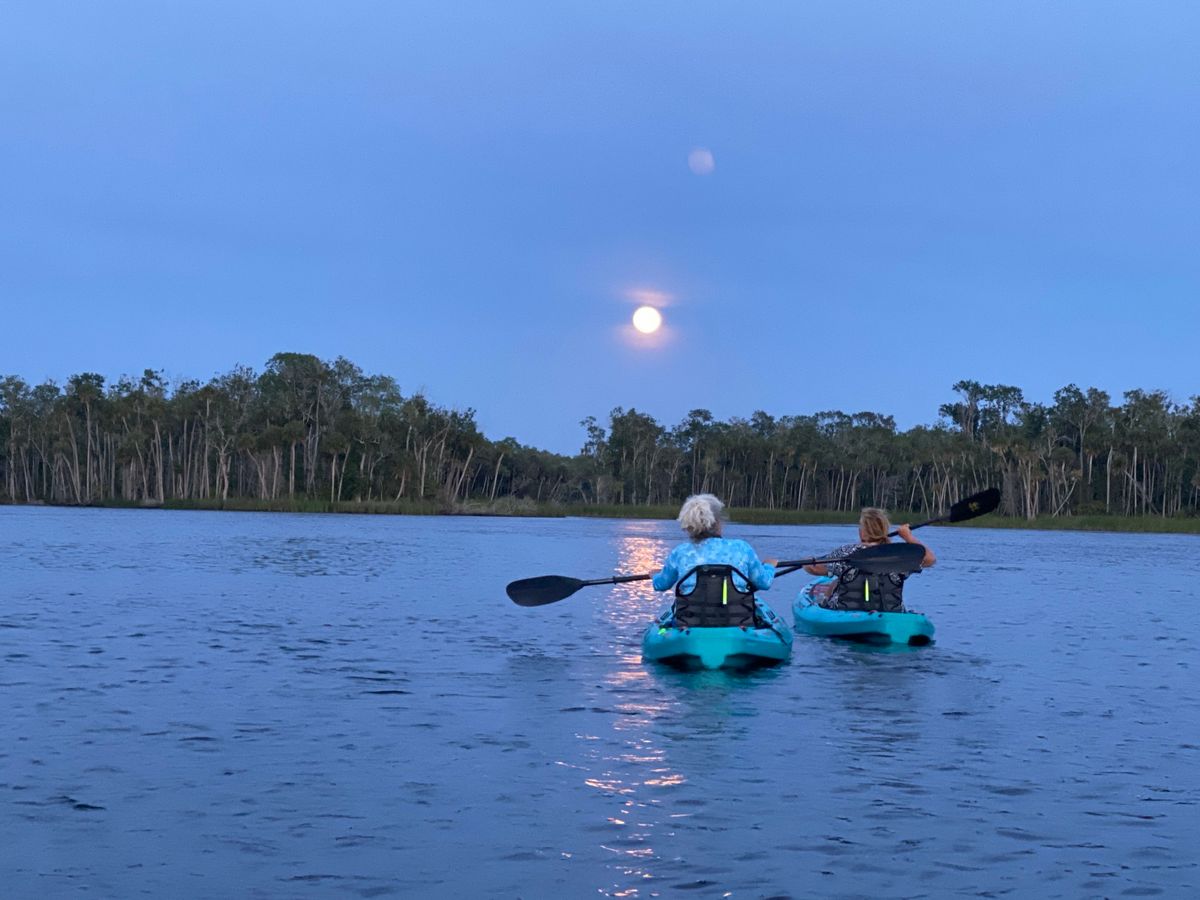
pixel 905 532
pixel 824 569
pixel 761 573
pixel 665 580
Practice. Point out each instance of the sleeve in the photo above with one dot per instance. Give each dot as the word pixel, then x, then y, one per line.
pixel 665 579
pixel 835 569
pixel 760 574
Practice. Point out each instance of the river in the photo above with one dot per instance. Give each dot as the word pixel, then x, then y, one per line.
pixel 201 704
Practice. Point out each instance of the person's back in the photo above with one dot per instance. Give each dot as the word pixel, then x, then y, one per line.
pixel 714 551
pixel 714 599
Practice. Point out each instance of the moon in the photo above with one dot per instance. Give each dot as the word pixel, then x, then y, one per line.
pixel 647 319
pixel 701 161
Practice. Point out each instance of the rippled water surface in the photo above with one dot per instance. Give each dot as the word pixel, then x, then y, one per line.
pixel 219 704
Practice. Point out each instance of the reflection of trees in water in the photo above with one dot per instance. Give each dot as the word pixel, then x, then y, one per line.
pixel 887 693
pixel 299 556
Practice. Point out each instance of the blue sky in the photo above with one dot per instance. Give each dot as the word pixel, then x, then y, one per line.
pixel 468 195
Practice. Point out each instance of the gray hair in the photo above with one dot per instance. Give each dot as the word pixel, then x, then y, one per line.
pixel 700 516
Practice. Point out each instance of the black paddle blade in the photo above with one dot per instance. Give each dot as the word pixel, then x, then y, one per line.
pixel 542 590
pixel 977 505
pixel 883 558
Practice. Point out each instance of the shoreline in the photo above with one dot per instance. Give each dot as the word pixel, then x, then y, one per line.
pixel 529 509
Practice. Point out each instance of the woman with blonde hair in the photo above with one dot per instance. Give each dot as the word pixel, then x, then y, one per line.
pixel 847 589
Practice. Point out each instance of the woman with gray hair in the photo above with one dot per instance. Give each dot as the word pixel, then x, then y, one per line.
pixel 716 620
pixel 701 518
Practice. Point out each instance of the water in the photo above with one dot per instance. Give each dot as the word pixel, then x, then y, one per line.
pixel 220 704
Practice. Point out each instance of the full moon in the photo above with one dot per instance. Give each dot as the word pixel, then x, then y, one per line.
pixel 701 161
pixel 647 319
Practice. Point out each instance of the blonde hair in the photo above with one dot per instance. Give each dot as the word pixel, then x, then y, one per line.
pixel 700 516
pixel 874 525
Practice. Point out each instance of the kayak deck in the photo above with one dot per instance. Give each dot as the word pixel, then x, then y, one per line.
pixel 909 628
pixel 717 648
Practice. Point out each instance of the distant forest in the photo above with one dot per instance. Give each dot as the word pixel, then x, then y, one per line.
pixel 309 429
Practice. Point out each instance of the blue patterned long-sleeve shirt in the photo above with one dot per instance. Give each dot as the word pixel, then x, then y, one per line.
pixel 714 551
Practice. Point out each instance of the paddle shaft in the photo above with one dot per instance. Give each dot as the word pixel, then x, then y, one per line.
pixel 618 579
pixel 787 566
pixel 793 564
pixel 920 525
pixel 969 508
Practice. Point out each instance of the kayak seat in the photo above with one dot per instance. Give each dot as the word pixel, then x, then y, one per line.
pixel 859 591
pixel 714 601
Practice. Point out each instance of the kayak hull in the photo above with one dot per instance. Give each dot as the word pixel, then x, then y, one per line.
pixel 718 648
pixel 909 628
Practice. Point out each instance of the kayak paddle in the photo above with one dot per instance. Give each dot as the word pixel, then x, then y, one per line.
pixel 877 559
pixel 552 588
pixel 881 558
pixel 972 507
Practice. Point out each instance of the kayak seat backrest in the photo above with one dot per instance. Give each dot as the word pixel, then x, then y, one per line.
pixel 872 592
pixel 714 601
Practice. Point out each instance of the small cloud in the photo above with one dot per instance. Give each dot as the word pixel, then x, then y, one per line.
pixel 648 297
pixel 701 161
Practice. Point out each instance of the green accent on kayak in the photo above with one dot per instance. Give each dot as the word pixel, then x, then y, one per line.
pixel 715 648
pixel 872 627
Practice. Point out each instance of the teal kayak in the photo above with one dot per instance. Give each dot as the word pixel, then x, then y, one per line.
pixel 715 648
pixel 870 627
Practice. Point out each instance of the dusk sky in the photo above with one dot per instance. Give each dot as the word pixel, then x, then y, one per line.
pixel 474 197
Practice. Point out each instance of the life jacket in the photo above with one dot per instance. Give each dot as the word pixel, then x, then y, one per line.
pixel 875 593
pixel 714 601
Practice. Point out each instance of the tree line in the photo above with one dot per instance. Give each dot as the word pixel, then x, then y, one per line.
pixel 307 428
